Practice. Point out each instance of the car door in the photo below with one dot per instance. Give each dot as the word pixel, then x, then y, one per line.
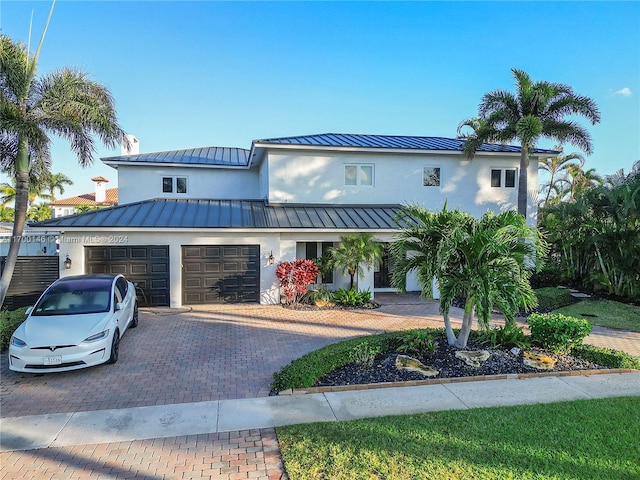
pixel 120 294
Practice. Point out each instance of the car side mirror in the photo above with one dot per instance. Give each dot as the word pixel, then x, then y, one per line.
pixel 28 310
pixel 119 306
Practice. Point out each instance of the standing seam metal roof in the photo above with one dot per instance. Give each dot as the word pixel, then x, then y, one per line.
pixel 389 141
pixel 204 213
pixel 211 156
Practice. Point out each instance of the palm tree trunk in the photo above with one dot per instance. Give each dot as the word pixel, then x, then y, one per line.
pixel 451 337
pixel 467 322
pixel 21 206
pixel 523 182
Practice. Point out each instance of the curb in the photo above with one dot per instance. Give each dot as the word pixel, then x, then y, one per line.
pixel 439 381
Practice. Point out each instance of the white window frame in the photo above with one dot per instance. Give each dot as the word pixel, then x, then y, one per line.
pixel 439 167
pixel 359 167
pixel 503 175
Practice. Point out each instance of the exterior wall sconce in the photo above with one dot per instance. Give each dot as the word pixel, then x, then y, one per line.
pixel 67 263
pixel 271 260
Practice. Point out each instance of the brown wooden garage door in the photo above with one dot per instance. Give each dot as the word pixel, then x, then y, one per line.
pixel 146 265
pixel 220 274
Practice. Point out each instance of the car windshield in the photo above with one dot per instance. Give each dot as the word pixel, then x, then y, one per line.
pixel 76 297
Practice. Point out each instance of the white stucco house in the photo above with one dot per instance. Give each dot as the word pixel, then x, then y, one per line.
pixel 209 225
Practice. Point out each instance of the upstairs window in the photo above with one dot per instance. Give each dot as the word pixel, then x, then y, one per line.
pixel 358 175
pixel 174 184
pixel 503 177
pixel 431 177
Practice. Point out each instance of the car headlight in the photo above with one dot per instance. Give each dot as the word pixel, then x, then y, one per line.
pixel 16 342
pixel 96 337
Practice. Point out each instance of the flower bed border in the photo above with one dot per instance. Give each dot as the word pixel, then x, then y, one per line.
pixel 439 381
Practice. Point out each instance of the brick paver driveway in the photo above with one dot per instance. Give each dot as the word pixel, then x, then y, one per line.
pixel 214 353
pixel 204 354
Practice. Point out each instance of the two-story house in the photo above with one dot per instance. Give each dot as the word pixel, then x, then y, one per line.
pixel 209 225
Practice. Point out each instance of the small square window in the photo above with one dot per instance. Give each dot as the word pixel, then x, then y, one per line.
pixel 496 178
pixel 181 185
pixel 350 175
pixel 167 184
pixel 510 178
pixel 431 177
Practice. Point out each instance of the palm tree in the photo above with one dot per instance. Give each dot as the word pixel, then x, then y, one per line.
pixel 558 168
pixel 65 103
pixel 582 180
pixel 56 181
pixel 353 250
pixel 483 262
pixel 8 194
pixel 537 110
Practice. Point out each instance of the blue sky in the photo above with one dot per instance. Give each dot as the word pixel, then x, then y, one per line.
pixel 192 74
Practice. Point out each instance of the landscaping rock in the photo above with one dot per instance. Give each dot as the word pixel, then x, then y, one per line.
pixel 474 358
pixel 403 362
pixel 539 361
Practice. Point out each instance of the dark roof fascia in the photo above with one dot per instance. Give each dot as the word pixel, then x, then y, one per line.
pixel 114 164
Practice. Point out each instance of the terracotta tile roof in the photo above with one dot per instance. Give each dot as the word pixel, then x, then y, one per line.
pixel 111 198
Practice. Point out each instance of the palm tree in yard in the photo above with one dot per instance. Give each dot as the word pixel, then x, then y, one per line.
pixel 483 262
pixel 56 181
pixel 537 110
pixel 65 103
pixel 558 168
pixel 353 251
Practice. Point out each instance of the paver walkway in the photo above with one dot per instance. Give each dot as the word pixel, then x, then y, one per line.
pixel 205 354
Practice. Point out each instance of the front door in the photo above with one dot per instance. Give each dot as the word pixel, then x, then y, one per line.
pixel 384 270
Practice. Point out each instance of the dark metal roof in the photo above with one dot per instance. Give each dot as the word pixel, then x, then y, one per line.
pixel 181 213
pixel 224 156
pixel 389 141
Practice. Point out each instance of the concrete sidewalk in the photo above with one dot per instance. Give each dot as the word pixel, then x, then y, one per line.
pixel 151 422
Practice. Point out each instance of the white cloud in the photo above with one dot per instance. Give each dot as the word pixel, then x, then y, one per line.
pixel 625 92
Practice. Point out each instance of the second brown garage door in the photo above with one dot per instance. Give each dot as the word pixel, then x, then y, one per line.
pixel 220 274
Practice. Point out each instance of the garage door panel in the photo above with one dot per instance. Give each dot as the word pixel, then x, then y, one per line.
pixel 225 273
pixel 145 265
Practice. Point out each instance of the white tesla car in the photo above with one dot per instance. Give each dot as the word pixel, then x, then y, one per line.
pixel 77 322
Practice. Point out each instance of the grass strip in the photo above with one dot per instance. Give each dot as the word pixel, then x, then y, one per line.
pixel 594 439
pixel 605 313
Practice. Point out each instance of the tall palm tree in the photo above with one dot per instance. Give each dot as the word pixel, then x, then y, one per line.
pixel 537 110
pixel 558 168
pixel 353 251
pixel 56 181
pixel 65 103
pixel 484 262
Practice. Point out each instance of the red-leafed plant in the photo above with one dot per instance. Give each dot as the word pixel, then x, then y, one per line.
pixel 295 278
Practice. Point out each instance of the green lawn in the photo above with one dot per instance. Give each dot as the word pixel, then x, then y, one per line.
pixel 587 439
pixel 605 313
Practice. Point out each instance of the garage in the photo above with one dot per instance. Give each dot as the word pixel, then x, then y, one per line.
pixel 146 265
pixel 220 274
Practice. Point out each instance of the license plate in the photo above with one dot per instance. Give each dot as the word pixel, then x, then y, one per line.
pixel 57 360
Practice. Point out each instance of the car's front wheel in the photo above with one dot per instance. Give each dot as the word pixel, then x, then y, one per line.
pixel 115 347
pixel 134 318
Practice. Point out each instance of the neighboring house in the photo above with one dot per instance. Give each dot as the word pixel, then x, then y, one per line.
pixel 209 225
pixel 101 197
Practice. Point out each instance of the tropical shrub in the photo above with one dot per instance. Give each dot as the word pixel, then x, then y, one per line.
pixel 352 297
pixel 417 343
pixel 295 278
pixel 352 251
pixel 315 294
pixel 507 335
pixel 364 354
pixel 558 332
pixel 9 321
